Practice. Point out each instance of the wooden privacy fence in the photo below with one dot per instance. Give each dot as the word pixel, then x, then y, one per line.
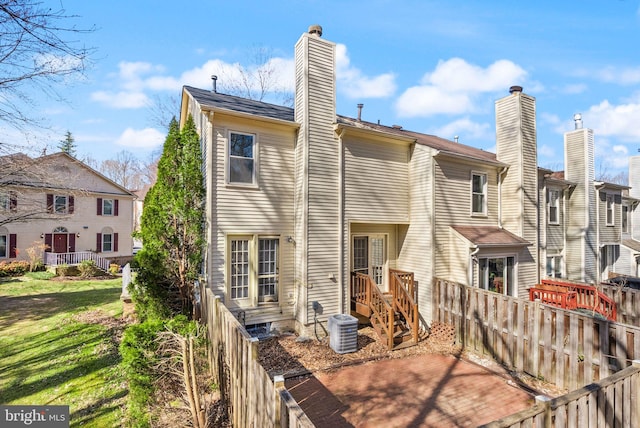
pixel 566 348
pixel 254 400
pixel 627 301
pixel 611 402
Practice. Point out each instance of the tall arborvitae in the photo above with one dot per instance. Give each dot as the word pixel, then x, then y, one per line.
pixel 171 227
pixel 68 145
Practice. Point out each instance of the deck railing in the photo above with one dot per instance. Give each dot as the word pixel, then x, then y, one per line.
pixel 572 296
pixel 75 258
pixel 404 299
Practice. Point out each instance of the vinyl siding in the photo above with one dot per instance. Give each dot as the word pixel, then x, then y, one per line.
pixel 609 234
pixel 634 183
pixel 453 207
pixel 415 241
pixel 579 168
pixel 376 181
pixel 554 232
pixel 265 210
pixel 516 146
pixel 320 200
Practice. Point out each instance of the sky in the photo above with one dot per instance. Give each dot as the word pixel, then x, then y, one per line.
pixel 430 66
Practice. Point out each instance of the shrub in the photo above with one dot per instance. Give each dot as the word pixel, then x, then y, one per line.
pixel 63 270
pixel 88 268
pixel 114 268
pixel 35 253
pixel 13 268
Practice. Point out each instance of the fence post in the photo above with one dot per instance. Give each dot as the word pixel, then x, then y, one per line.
pixel 635 393
pixel 544 401
pixel 278 384
pixel 535 337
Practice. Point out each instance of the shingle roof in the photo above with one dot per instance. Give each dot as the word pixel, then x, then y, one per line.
pixel 243 105
pixel 490 236
pixel 631 243
pixel 239 104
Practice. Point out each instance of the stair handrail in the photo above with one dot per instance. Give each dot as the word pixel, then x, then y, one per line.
pixel 382 313
pixel 402 290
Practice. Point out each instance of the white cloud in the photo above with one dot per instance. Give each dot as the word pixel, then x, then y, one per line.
pixel 620 75
pixel 466 130
pixel 619 121
pixel 122 100
pixel 146 138
pixel 454 85
pixel 356 85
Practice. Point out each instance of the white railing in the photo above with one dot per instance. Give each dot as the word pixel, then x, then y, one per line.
pixel 74 259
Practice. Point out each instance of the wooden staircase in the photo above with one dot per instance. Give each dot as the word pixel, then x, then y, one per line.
pixel 573 296
pixel 394 315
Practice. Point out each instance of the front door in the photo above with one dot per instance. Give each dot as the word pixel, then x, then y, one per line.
pixel 60 242
pixel 369 256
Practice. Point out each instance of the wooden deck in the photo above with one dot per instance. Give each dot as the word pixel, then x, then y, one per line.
pixel 573 296
pixel 394 315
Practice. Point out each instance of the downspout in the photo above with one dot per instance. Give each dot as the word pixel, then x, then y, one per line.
pixel 472 256
pixel 598 249
pixel 500 179
pixel 344 288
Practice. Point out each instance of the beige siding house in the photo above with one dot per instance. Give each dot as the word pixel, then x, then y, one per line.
pixel 69 207
pixel 301 199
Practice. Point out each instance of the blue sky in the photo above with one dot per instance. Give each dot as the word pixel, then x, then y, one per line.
pixel 431 66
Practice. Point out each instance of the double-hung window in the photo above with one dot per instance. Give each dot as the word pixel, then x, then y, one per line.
pixel 4 201
pixel 253 269
pixel 4 245
pixel 610 217
pixel 107 207
pixel 478 193
pixel 554 266
pixel 241 161
pixel 625 219
pixel 553 206
pixel 60 204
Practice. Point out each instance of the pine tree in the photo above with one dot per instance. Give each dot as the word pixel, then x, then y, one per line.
pixel 171 226
pixel 68 144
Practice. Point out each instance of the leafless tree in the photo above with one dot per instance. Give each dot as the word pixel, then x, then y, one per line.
pixel 257 81
pixel 37 52
pixel 605 174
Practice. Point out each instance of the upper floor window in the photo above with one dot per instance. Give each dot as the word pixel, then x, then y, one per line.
pixel 60 204
pixel 241 158
pixel 610 199
pixel 4 201
pixel 553 205
pixel 625 219
pixel 107 207
pixel 478 193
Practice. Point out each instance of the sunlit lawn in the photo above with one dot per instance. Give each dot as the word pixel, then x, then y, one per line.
pixel 48 358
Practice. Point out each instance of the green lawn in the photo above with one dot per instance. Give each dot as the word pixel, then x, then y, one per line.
pixel 58 346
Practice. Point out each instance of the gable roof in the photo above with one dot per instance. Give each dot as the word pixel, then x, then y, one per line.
pixel 239 104
pixel 490 236
pixel 218 101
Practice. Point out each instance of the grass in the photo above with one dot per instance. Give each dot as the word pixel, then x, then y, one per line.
pixel 53 352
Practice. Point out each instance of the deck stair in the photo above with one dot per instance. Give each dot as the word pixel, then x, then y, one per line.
pixel 574 296
pixel 393 315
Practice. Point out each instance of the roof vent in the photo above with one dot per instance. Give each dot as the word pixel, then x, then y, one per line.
pixel 578 119
pixel 315 30
pixel 396 126
pixel 515 89
pixel 214 78
pixel 455 138
pixel 360 111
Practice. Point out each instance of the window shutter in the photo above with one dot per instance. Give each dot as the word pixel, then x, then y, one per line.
pixel 49 202
pixel 99 212
pixel 98 243
pixel 115 242
pixel 71 202
pixel 72 243
pixel 13 253
pixel 115 207
pixel 48 241
pixel 13 201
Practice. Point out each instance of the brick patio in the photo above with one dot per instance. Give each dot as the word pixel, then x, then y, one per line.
pixel 420 391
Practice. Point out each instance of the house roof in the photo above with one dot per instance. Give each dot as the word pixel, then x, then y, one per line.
pixel 490 236
pixel 233 103
pixel 239 104
pixel 631 243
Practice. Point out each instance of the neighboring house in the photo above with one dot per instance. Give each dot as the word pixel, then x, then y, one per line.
pixel 66 205
pixel 299 199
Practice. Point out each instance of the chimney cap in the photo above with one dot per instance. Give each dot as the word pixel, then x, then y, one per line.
pixel 515 88
pixel 315 29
